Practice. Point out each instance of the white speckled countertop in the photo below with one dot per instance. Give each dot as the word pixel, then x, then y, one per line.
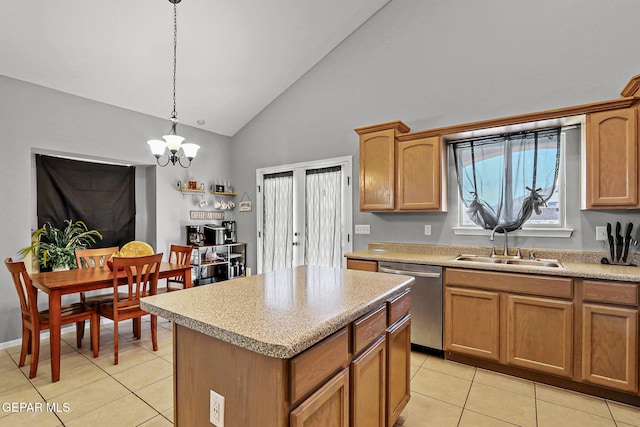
pixel 282 313
pixel 582 264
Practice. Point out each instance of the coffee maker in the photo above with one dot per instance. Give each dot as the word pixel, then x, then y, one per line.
pixel 229 231
pixel 195 236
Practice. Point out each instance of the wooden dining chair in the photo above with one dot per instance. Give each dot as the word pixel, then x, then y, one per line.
pixel 95 258
pixel 142 280
pixel 178 255
pixel 34 321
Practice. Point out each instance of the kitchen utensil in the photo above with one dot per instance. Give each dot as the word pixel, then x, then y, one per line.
pixel 619 243
pixel 627 242
pixel 611 245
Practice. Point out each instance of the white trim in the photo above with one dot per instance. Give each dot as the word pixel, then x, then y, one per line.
pixel 526 232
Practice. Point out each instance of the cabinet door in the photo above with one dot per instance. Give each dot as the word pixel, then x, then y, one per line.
pixel 612 159
pixel 472 322
pixel 540 334
pixel 398 368
pixel 419 174
pixel 377 170
pixel 329 406
pixel 610 346
pixel 368 379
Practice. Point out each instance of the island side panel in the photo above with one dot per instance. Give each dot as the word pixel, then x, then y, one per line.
pixel 254 386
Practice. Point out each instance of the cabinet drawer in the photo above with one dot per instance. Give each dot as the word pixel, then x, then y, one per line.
pixel 361 264
pixel 315 365
pixel 611 292
pixel 399 307
pixel 368 328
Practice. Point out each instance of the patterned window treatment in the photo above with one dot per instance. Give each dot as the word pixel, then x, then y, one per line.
pixel 278 221
pixel 323 208
pixel 504 179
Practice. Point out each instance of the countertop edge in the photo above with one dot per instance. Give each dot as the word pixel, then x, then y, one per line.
pixel 570 268
pixel 276 350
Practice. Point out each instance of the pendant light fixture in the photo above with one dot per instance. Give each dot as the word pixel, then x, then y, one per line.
pixel 173 142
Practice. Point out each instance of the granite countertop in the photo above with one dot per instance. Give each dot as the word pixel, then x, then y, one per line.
pixel 582 264
pixel 282 313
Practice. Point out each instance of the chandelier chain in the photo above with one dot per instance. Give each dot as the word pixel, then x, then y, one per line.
pixel 174 114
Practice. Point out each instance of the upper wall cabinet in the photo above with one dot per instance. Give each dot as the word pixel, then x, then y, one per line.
pixel 400 175
pixel 612 159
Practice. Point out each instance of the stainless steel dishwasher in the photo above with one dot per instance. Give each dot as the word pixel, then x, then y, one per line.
pixel 426 303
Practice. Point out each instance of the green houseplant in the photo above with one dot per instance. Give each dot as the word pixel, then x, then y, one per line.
pixel 55 247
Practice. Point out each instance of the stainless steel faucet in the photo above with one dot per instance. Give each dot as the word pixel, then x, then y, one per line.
pixel 506 239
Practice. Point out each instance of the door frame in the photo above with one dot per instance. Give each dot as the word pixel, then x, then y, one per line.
pixel 347 200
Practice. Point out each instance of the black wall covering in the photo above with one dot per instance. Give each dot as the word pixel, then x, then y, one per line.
pixel 103 196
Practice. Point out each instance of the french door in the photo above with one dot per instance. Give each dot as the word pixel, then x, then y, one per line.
pixel 304 214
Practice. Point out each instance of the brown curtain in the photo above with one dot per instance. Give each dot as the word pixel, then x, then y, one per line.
pixel 103 196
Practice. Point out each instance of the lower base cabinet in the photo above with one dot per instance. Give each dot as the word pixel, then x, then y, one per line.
pixel 398 368
pixel 540 334
pixel 368 385
pixel 329 406
pixel 472 322
pixel 610 346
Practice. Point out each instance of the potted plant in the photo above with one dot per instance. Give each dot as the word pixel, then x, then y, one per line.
pixel 55 247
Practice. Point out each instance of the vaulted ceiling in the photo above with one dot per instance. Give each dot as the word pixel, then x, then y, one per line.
pixel 234 56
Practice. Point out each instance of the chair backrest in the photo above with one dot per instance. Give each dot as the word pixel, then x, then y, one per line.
pixel 142 278
pixel 27 293
pixel 94 258
pixel 180 255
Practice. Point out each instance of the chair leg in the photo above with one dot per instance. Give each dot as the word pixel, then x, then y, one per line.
pixel 115 342
pixel 35 354
pixel 154 332
pixel 79 333
pixel 95 333
pixel 26 345
pixel 134 327
pixel 138 326
pixel 29 349
pixel 82 331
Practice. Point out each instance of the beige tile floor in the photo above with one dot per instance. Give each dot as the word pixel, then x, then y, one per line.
pixel 138 391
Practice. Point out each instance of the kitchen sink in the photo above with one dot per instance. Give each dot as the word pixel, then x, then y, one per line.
pixel 536 262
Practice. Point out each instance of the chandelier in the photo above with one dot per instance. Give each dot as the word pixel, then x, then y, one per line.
pixel 173 146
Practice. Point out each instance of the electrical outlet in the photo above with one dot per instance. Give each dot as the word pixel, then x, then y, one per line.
pixel 601 233
pixel 216 411
pixel 363 229
pixel 427 230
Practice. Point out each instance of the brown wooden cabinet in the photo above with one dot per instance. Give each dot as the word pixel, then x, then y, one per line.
pixel 513 319
pixel 329 406
pixel 610 335
pixel 377 170
pixel 402 175
pixel 360 264
pixel 540 334
pixel 612 180
pixel 398 368
pixel 472 322
pixel 419 174
pixel 368 386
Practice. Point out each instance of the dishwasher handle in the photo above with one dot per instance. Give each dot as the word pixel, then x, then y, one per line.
pixel 408 273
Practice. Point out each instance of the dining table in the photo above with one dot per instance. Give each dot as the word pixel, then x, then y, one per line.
pixel 59 283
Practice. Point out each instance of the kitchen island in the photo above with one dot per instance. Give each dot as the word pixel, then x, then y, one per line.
pixel 290 343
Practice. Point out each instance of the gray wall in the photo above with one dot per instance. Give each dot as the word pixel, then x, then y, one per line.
pixel 437 63
pixel 37 119
pixel 429 63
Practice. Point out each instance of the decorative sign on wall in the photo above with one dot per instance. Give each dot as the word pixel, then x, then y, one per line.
pixel 245 205
pixel 206 215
